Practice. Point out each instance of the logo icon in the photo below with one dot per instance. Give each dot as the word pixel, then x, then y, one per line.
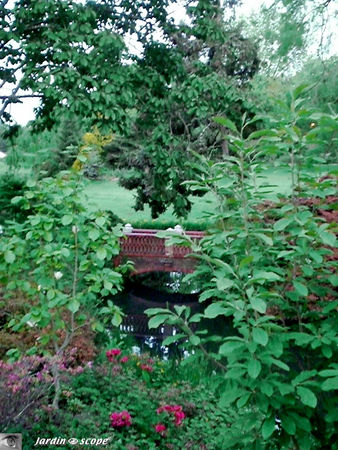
pixel 10 441
pixel 72 441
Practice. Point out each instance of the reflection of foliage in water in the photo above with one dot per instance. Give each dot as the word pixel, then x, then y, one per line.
pixel 172 282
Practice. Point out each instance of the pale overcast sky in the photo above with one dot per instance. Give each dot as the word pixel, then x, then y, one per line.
pixel 24 112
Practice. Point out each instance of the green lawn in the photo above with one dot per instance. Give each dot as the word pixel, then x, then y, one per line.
pixel 109 195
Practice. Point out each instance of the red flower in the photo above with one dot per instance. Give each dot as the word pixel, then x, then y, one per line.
pixel 120 419
pixel 160 428
pixel 124 359
pixel 179 416
pixel 110 354
pixel 146 368
pixel 176 410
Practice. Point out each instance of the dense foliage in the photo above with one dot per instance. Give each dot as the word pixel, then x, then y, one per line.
pixel 60 258
pixel 271 269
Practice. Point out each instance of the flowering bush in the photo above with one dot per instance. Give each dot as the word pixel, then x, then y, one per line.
pixel 176 410
pixel 120 419
pixel 111 354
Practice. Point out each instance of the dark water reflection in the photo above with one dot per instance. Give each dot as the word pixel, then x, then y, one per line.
pixel 161 291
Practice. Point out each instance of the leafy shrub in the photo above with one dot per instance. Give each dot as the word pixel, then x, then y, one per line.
pixel 11 185
pixel 271 270
pixel 124 400
pixel 48 258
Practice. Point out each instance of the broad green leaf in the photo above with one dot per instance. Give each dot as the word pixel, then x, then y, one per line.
pixel 266 388
pixel 74 305
pixel 307 397
pixel 50 294
pixel 158 320
pixel 300 288
pixel 101 253
pixel 281 224
pixel 260 336
pixel 254 368
pixel 208 294
pixel 264 275
pixel 9 256
pixel 194 340
pixel 67 219
pixel 328 373
pixel 279 363
pixel 268 427
pixel 100 221
pixel 330 384
pixel 246 261
pixel 288 424
pixel 258 304
pixel 171 339
pixel 263 237
pixel 214 310
pixel 228 347
pixel 229 396
pixel 328 238
pixel 226 123
pixel 94 234
pixel 224 283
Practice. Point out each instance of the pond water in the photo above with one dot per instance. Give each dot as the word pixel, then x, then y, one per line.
pixel 160 290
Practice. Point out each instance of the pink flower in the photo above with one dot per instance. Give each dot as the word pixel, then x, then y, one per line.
pixel 124 359
pixel 176 410
pixel 110 354
pixel 120 419
pixel 160 428
pixel 179 416
pixel 146 368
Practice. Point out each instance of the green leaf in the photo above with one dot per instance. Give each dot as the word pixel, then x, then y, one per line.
pixel 214 310
pixel 9 256
pixel 226 123
pixel 267 276
pixel 307 397
pixel 229 396
pixel 330 384
pixel 300 288
pixel 94 234
pixel 228 347
pixel 280 364
pixel 266 388
pixel 246 261
pixel 263 237
pixel 171 339
pixel 100 221
pixel 254 368
pixel 67 219
pixel 101 253
pixel 281 224
pixel 268 427
pixel 258 304
pixel 158 320
pixel 328 238
pixel 224 283
pixel 260 336
pixel 74 305
pixel 194 340
pixel 288 424
pixel 50 294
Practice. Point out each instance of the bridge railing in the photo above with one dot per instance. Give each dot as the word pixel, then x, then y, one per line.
pixel 143 242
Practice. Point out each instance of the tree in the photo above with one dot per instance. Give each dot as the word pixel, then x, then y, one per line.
pixel 160 101
pixel 199 71
pixel 71 54
pixel 289 30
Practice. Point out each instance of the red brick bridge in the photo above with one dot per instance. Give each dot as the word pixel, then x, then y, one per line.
pixel 150 254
